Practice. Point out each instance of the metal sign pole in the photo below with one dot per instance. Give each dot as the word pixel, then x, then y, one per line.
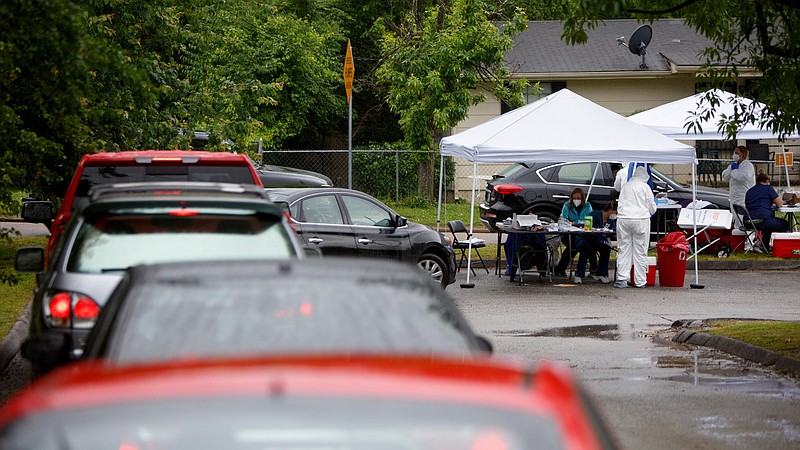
pixel 348 73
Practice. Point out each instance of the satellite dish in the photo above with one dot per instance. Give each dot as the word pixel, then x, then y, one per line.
pixel 639 41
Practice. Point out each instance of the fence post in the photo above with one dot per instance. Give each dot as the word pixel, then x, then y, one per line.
pixel 397 175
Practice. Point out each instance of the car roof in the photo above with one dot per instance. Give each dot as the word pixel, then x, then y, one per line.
pixel 547 389
pixel 163 156
pixel 291 194
pixel 151 194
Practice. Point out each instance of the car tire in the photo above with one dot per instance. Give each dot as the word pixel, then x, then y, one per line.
pixel 435 267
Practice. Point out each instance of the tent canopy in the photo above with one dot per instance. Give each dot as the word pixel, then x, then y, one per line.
pixel 564 127
pixel 671 119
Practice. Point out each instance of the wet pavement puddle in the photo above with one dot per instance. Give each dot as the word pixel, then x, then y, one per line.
pixel 607 332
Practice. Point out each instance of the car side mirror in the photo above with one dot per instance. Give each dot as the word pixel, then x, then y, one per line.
pixel 485 344
pixel 312 252
pixel 37 211
pixel 660 186
pixel 400 221
pixel 29 259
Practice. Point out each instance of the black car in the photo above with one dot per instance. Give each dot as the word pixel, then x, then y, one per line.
pixel 280 176
pixel 346 222
pixel 542 188
pixel 124 225
pixel 321 305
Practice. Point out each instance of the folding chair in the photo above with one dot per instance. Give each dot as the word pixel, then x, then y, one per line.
pixel 544 258
pixel 750 229
pixel 457 226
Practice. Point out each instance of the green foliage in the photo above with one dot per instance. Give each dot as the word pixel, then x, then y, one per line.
pixel 439 63
pixel 748 34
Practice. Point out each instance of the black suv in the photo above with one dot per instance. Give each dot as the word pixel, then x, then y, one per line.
pixel 543 187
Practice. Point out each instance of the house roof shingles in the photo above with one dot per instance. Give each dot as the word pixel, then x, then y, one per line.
pixel 540 50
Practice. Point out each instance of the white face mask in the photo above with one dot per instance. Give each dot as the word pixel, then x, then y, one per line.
pixel 576 202
pixel 612 217
pixel 735 157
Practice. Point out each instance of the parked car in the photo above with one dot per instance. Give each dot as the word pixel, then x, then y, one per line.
pixel 138 166
pixel 318 305
pixel 280 176
pixel 346 222
pixel 306 402
pixel 143 223
pixel 542 188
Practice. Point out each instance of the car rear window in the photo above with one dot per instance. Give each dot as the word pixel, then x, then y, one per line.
pixel 282 314
pixel 114 242
pixel 286 422
pixel 98 175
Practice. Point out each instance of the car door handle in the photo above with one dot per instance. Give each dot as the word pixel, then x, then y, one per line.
pixel 364 240
pixel 315 240
pixel 560 196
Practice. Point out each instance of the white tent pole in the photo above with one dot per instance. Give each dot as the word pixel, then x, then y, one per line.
pixel 696 284
pixel 471 215
pixel 786 167
pixel 439 204
pixel 591 184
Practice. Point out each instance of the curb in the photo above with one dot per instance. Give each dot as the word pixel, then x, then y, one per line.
pixel 741 349
pixel 13 341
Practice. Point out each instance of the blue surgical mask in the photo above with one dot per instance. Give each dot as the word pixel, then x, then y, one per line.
pixel 612 217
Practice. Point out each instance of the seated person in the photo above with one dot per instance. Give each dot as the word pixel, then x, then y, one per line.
pixel 516 242
pixel 759 201
pixel 574 212
pixel 607 218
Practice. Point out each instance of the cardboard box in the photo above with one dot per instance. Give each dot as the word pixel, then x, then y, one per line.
pixel 785 245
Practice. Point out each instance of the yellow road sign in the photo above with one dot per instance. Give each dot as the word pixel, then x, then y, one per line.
pixel 783 159
pixel 349 71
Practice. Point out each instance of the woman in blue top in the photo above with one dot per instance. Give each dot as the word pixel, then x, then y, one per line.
pixel 574 212
pixel 759 201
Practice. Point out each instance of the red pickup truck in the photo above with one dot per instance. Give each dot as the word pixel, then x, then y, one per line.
pixel 143 165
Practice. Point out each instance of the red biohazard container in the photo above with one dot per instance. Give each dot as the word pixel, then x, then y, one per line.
pixel 672 253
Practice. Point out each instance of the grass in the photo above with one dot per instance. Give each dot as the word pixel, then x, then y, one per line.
pixel 781 337
pixel 14 297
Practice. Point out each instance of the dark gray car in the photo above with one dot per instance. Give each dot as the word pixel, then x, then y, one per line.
pixel 142 223
pixel 318 305
pixel 346 222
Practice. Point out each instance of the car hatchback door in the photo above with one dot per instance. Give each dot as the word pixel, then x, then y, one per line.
pixel 376 233
pixel 321 225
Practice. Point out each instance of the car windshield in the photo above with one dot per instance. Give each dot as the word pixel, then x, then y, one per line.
pixel 282 422
pixel 114 242
pixel 510 170
pixel 206 315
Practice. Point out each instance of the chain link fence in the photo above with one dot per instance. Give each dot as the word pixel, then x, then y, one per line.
pixel 392 174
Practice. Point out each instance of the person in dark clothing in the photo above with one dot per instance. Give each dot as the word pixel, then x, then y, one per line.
pixel 607 218
pixel 516 242
pixel 759 202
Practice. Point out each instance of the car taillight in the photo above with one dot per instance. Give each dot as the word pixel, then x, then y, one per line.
pixel 71 310
pixel 507 189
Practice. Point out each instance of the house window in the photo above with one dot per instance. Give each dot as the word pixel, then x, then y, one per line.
pixel 548 87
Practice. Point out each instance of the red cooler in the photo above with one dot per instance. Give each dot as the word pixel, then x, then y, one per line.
pixel 651 272
pixel 672 252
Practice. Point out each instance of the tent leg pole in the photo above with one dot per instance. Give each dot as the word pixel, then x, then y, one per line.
pixel 439 204
pixel 696 284
pixel 469 285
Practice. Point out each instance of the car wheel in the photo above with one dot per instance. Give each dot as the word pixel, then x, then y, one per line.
pixel 552 217
pixel 435 267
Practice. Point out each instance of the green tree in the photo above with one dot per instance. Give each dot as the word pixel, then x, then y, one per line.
pixel 437 63
pixel 764 35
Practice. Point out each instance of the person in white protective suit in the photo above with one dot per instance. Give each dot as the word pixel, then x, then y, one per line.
pixel 741 176
pixel 626 172
pixel 636 205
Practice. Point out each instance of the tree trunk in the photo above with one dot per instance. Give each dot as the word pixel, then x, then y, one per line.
pixel 425 179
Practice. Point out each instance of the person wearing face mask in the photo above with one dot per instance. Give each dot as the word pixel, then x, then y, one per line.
pixel 636 206
pixel 574 212
pixel 607 218
pixel 741 176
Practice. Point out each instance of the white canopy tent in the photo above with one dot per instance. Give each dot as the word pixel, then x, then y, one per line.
pixel 671 119
pixel 560 127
